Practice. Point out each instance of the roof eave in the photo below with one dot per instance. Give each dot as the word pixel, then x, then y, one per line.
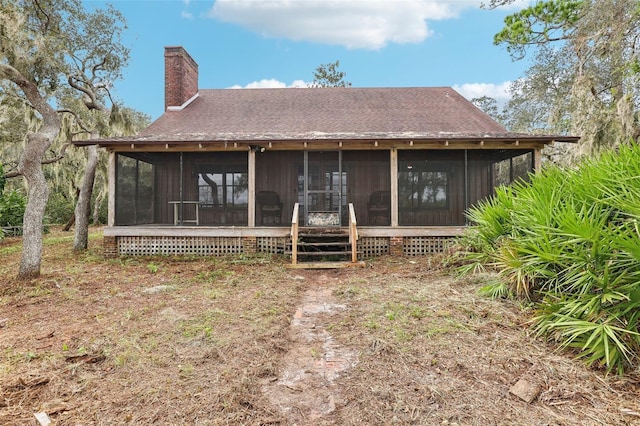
pixel 204 139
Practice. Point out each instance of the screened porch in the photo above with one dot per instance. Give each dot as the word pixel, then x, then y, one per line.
pixel 254 188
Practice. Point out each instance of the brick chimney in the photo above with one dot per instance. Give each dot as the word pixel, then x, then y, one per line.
pixel 180 78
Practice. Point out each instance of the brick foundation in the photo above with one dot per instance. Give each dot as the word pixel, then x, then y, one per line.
pixel 110 247
pixel 250 245
pixel 396 246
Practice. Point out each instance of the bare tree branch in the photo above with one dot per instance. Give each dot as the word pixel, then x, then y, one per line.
pixel 58 157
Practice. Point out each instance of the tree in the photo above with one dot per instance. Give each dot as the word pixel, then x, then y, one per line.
pixel 587 71
pixel 44 45
pixel 327 75
pixel 96 59
pixel 29 62
pixel 490 106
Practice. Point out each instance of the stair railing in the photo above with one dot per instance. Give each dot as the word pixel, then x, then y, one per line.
pixel 353 233
pixel 294 235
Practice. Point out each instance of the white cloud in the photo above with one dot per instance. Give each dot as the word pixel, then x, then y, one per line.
pixel 186 15
pixel 517 5
pixel 365 24
pixel 270 83
pixel 499 92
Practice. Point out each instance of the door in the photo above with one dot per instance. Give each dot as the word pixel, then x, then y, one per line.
pixel 324 188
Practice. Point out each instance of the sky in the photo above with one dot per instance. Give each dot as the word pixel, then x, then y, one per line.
pixel 280 43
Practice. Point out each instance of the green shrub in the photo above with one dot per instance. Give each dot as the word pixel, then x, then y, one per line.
pixel 59 209
pixel 570 241
pixel 12 207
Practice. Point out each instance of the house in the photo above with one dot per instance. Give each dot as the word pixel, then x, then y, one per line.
pixel 228 171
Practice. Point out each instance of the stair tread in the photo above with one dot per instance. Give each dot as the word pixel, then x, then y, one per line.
pixel 300 252
pixel 324 253
pixel 325 265
pixel 323 243
pixel 336 235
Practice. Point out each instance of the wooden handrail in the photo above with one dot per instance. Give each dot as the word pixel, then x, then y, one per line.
pixel 353 233
pixel 294 235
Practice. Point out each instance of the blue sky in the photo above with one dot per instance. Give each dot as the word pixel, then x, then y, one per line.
pixel 279 43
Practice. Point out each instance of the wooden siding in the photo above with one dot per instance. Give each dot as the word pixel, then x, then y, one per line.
pixel 278 171
pixel 367 172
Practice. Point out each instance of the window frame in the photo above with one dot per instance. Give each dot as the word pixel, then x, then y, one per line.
pixel 228 186
pixel 419 168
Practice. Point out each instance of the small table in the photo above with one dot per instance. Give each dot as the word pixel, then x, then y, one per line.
pixel 175 211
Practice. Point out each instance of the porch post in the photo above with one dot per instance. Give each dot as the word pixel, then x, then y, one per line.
pixel 111 179
pixel 251 202
pixel 394 187
pixel 537 159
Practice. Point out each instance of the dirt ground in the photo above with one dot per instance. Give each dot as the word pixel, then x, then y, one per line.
pixel 244 340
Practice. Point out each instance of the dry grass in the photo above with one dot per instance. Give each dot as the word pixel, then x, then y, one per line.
pixel 201 341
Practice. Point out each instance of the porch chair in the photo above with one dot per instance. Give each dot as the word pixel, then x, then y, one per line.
pixel 269 205
pixel 379 205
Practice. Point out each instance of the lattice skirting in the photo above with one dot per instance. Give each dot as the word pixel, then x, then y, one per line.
pixel 219 246
pixel 272 245
pixel 205 246
pixel 420 246
pixel 373 246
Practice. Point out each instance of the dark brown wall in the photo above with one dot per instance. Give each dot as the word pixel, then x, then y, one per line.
pixel 278 171
pixel 367 172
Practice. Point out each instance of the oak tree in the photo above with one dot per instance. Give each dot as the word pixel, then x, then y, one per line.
pixel 45 47
pixel 585 77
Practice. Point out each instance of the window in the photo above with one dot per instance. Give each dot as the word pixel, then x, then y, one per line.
pixel 422 187
pixel 223 187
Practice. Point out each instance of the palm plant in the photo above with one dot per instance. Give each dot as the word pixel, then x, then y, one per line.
pixel 570 241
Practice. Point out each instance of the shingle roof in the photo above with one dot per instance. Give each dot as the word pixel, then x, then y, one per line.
pixel 323 113
pixel 294 113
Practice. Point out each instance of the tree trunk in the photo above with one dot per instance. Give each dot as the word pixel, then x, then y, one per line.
pixel 72 219
pixel 83 208
pixel 30 166
pixel 38 193
pixel 96 208
pixel 69 223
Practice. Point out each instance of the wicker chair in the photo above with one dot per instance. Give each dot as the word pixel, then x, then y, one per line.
pixel 269 206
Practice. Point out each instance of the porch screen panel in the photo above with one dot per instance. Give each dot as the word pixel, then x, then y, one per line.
pixel 431 187
pixel 488 169
pixel 134 191
pixel 277 179
pixel 369 186
pixel 219 183
pixel 167 183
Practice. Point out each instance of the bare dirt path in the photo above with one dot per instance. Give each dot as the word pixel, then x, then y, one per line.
pixel 305 389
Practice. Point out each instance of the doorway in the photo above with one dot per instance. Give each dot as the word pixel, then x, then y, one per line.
pixel 323 192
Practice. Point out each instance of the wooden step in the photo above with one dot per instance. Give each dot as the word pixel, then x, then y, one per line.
pixel 324 244
pixel 326 265
pixel 324 253
pixel 323 236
